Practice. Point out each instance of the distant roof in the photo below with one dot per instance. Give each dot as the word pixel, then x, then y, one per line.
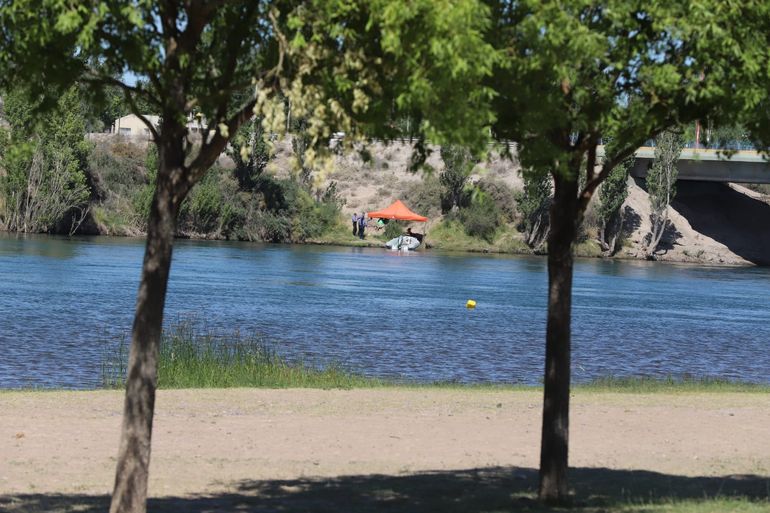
pixel 397 211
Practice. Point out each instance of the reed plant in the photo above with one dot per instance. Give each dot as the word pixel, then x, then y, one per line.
pixel 194 358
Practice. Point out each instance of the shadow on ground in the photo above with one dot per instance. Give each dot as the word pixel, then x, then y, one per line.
pixel 475 490
pixel 727 216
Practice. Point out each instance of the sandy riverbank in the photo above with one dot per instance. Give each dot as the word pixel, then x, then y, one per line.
pixel 223 441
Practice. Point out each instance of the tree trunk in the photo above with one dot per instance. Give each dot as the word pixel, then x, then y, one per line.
pixel 659 225
pixel 609 232
pixel 555 433
pixel 130 493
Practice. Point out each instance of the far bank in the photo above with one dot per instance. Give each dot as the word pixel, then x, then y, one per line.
pixel 491 211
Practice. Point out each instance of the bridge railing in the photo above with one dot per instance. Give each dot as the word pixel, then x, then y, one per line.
pixel 724 145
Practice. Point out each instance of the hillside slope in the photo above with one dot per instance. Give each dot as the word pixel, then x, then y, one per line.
pixel 712 223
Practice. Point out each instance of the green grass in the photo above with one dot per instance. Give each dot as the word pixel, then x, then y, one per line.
pixel 649 385
pixel 589 248
pixel 189 359
pixel 341 234
pixel 202 359
pixel 450 235
pixel 193 358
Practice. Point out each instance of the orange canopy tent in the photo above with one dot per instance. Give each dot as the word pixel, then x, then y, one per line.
pixel 397 211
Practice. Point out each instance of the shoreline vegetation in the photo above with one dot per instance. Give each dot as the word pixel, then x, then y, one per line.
pixel 194 358
pixel 489 212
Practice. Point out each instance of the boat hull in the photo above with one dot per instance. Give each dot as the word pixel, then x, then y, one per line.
pixel 403 242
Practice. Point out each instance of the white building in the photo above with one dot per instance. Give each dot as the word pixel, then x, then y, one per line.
pixel 132 126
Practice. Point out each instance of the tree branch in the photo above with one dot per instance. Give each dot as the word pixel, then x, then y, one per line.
pixel 211 150
pixel 199 14
pixel 128 92
pixel 609 164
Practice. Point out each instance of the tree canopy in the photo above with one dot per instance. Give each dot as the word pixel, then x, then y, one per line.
pixel 574 74
pixel 354 66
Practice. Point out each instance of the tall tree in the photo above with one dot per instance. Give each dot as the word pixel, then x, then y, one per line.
pixel 458 164
pixel 661 184
pixel 43 183
pixel 533 204
pixel 346 65
pixel 250 153
pixel 612 195
pixel 581 71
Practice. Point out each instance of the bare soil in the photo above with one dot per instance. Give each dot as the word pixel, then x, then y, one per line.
pixel 216 441
pixel 711 223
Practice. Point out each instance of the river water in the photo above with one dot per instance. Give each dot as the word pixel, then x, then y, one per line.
pixel 63 301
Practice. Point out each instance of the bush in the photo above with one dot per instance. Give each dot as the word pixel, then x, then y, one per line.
pixel 425 197
pixel 204 204
pixel 481 219
pixel 112 173
pixel 393 229
pixel 502 195
pixel 289 212
pixel 270 226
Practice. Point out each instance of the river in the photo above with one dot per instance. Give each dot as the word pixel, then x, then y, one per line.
pixel 63 302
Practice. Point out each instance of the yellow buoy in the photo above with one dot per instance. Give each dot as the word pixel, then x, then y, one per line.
pixel 470 304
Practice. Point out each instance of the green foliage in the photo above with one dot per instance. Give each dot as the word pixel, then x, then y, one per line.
pixel 425 196
pixel 573 70
pixel 44 186
pixel 669 384
pixel 481 218
pixel 661 184
pixel 612 195
pixel 614 191
pixel 727 137
pixel 115 169
pixel 196 358
pixel 533 204
pixel 430 51
pixel 205 203
pixel 393 229
pixel 217 207
pixel 458 164
pixel 501 194
pixel 662 175
pixel 301 141
pixel 251 154
pixel 142 197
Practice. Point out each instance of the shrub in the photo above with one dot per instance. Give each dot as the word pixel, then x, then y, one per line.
pixel 111 173
pixel 481 219
pixel 501 194
pixel 204 204
pixel 393 229
pixel 533 204
pixel 458 164
pixel 425 197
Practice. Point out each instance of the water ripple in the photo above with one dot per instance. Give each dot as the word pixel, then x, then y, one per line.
pixel 379 313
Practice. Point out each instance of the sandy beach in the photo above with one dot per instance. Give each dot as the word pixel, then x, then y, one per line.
pixel 209 442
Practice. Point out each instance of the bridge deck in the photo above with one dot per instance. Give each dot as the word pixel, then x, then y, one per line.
pixel 709 165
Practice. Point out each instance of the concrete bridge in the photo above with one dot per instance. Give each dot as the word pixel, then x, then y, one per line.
pixel 709 165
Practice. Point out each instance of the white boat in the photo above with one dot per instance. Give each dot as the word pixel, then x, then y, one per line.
pixel 403 243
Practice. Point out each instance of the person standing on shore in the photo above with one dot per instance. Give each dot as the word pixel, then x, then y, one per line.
pixel 355 224
pixel 362 225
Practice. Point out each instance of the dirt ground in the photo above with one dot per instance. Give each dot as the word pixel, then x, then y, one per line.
pixel 711 223
pixel 212 441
